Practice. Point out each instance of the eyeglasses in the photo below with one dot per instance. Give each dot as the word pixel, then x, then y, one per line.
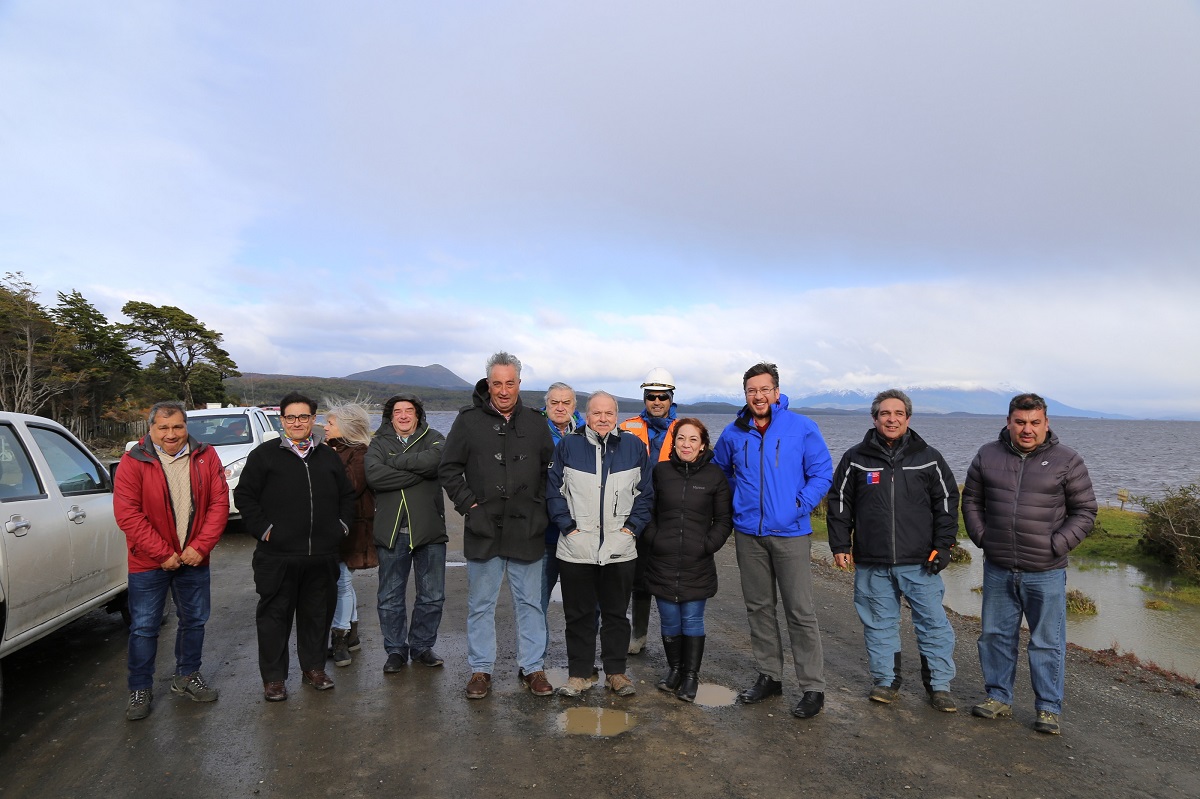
pixel 658 397
pixel 300 418
pixel 766 392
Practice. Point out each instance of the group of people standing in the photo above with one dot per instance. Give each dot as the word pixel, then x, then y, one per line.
pixel 618 512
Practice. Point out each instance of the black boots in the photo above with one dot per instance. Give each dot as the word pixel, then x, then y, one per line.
pixel 673 646
pixel 640 623
pixel 693 654
pixel 339 650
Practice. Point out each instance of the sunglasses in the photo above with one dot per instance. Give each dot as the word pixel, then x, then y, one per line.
pixel 658 397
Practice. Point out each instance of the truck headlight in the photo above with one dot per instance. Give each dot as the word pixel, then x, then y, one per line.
pixel 234 470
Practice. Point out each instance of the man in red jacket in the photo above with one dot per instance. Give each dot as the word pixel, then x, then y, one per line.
pixel 171 500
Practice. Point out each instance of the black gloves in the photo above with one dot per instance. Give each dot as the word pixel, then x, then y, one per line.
pixel 938 560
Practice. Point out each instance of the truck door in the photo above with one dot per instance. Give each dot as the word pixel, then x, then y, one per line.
pixel 35 541
pixel 98 560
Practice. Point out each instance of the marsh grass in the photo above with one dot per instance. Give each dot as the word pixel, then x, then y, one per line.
pixel 1158 604
pixel 1181 594
pixel 1080 603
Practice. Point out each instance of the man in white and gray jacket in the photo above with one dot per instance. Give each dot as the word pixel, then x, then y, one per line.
pixel 600 494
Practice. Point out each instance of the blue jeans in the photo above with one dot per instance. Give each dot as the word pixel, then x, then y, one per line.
pixel 483 589
pixel 347 601
pixel 428 563
pixel 681 618
pixel 189 585
pixel 1042 598
pixel 877 592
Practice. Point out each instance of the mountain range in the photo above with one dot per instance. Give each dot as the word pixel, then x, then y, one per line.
pixel 432 376
pixel 941 400
pixel 444 389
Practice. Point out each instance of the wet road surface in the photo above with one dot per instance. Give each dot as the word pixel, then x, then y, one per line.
pixel 63 730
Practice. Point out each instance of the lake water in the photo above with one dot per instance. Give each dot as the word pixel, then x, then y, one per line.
pixel 1142 457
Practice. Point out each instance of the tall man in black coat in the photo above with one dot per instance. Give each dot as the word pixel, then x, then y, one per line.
pixel 494 471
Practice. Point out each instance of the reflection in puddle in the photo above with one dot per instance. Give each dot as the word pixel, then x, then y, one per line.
pixel 713 695
pixel 595 721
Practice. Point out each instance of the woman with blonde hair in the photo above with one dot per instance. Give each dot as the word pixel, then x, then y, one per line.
pixel 348 432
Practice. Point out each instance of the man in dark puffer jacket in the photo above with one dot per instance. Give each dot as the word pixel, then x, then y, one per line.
pixel 1028 501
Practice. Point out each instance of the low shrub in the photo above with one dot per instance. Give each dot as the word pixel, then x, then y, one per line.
pixel 1171 529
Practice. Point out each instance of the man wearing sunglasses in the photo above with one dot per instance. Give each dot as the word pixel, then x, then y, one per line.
pixel 297 500
pixel 653 426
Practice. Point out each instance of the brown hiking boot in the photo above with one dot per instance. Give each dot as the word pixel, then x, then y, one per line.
pixel 479 685
pixel 621 685
pixel 536 682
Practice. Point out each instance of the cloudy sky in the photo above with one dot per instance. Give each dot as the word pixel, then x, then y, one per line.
pixel 868 193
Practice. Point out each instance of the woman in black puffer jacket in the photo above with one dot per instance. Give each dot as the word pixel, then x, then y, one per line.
pixel 692 520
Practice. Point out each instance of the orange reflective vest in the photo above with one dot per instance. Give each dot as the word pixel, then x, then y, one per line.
pixel 637 426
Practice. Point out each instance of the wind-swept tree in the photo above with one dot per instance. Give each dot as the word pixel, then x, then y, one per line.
pixel 100 357
pixel 32 349
pixel 181 343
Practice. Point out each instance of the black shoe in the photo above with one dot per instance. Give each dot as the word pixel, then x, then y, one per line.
pixel 673 647
pixel 763 687
pixel 352 642
pixel 809 705
pixel 428 658
pixel 139 704
pixel 395 662
pixel 693 655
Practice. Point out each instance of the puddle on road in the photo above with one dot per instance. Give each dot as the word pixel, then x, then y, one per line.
pixel 596 722
pixel 713 695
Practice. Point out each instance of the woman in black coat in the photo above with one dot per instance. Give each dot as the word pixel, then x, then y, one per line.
pixel 692 520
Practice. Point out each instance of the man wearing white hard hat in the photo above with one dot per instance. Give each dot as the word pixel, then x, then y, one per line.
pixel 653 426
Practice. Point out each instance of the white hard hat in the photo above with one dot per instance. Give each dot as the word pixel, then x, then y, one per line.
pixel 659 379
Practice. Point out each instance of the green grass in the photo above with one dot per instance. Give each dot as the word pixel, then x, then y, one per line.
pixel 1184 594
pixel 1158 604
pixel 1115 538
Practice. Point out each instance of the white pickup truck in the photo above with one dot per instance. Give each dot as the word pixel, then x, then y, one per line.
pixel 61 552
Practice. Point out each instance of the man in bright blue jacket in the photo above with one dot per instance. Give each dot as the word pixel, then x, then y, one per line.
pixel 779 469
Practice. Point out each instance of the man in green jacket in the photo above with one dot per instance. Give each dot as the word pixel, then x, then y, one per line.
pixel 410 530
